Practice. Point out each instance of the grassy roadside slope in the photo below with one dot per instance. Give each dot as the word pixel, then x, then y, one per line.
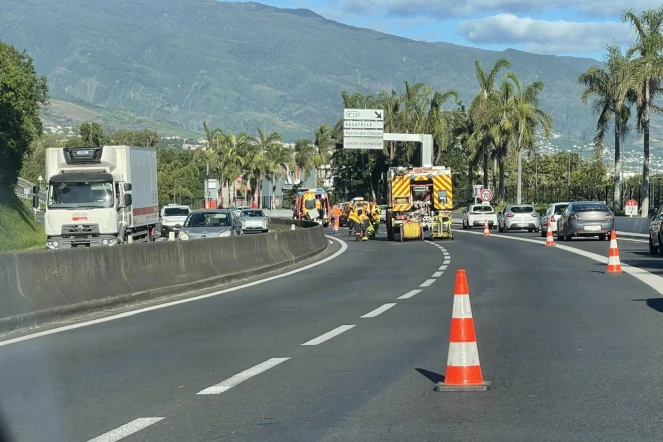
pixel 18 229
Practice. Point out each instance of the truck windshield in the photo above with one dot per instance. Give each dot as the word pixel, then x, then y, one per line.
pixel 78 195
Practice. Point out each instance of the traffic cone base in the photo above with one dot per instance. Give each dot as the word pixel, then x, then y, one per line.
pixel 614 265
pixel 463 366
pixel 550 242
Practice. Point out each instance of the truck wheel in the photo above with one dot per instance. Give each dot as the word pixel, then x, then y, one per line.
pixel 390 226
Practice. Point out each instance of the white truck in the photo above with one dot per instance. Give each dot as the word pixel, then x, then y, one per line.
pixel 100 196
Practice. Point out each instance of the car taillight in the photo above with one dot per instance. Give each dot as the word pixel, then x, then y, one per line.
pixel 574 217
pixel 535 215
pixel 509 215
pixel 609 216
pixel 552 219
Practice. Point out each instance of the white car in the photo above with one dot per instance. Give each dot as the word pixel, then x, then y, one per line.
pixel 172 218
pixel 553 213
pixel 478 214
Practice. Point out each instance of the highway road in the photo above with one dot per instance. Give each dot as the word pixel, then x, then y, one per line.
pixel 350 350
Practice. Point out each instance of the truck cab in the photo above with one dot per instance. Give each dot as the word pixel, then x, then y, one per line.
pixel 90 200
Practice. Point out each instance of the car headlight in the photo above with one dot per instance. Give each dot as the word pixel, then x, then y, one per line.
pixel 184 236
pixel 243 224
pixel 224 234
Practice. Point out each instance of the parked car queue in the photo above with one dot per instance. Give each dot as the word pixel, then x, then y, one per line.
pixel 187 224
pixel 567 220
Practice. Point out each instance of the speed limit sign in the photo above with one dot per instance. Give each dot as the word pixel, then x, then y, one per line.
pixel 277 202
pixel 486 195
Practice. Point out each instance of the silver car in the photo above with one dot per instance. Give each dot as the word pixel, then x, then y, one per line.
pixel 586 218
pixel 520 217
pixel 210 223
pixel 553 213
pixel 254 221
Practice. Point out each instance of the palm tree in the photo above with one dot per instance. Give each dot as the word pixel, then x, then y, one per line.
pixel 478 108
pixel 233 160
pixel 611 88
pixel 263 143
pixel 278 160
pixel 649 46
pixel 438 122
pixel 527 117
pixel 305 157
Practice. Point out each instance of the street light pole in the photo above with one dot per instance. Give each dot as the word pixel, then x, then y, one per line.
pixel 568 180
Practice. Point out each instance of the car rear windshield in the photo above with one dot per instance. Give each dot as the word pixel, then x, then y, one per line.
pixel 208 219
pixel 252 213
pixel 590 207
pixel 522 209
pixel 482 209
pixel 176 211
pixel 560 209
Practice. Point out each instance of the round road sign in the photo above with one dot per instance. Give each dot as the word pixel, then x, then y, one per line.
pixel 277 202
pixel 486 195
pixel 631 203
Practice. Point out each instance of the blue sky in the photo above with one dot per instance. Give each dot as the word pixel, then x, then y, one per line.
pixel 560 27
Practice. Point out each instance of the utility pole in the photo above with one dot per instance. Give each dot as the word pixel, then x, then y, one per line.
pixel 568 180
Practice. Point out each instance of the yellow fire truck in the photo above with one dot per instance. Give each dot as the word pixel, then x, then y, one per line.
pixel 419 199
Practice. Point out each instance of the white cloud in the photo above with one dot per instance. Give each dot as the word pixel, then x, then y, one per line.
pixel 466 8
pixel 543 36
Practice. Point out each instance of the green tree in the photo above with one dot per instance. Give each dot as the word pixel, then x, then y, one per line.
pixel 527 116
pixel 478 111
pixel 611 87
pixel 649 47
pixel 268 158
pixel 92 134
pixel 22 91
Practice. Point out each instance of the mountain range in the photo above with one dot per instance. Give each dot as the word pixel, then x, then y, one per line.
pixel 241 66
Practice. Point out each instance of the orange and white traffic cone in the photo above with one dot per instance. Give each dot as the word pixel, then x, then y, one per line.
pixel 463 366
pixel 549 236
pixel 485 228
pixel 614 265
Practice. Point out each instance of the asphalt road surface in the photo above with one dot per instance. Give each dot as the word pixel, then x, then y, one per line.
pixel 350 350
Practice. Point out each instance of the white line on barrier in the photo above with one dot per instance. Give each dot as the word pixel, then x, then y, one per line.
pixel 409 294
pixel 127 429
pixel 53 331
pixel 330 334
pixel 243 376
pixel 427 283
pixel 377 311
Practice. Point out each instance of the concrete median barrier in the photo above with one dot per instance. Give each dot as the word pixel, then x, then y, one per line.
pixel 42 286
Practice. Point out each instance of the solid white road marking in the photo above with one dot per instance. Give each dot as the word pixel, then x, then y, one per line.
pixel 241 377
pixel 127 429
pixel 446 262
pixel 427 283
pixel 444 267
pixel 437 274
pixel 379 310
pixel 53 331
pixel 653 281
pixel 330 334
pixel 409 294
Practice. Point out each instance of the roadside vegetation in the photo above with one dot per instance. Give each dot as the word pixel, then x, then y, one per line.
pixel 19 229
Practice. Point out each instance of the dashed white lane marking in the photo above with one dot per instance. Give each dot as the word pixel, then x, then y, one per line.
pixel 241 377
pixel 379 310
pixel 427 283
pixel 437 274
pixel 443 267
pixel 127 429
pixel 409 294
pixel 330 334
pixel 446 262
pixel 344 247
pixel 653 281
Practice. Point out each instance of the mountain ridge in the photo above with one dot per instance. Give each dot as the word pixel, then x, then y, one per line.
pixel 241 66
